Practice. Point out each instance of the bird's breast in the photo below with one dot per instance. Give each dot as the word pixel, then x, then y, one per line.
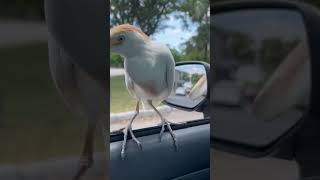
pixel 148 75
pixel 146 89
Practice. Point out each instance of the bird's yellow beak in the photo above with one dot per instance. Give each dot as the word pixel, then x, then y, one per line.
pixel 114 42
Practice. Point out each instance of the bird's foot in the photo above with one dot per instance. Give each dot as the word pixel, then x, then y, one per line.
pixel 124 145
pixel 167 123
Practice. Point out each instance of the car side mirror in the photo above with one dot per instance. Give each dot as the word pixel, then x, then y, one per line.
pixel 190 86
pixel 262 88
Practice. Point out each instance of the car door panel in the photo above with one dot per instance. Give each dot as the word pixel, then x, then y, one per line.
pixel 159 161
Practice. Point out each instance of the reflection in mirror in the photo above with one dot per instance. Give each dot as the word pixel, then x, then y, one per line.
pixel 261 65
pixel 190 86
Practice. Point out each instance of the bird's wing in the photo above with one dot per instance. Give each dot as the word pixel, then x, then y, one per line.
pixel 64 77
pixel 84 96
pixel 130 85
pixel 170 68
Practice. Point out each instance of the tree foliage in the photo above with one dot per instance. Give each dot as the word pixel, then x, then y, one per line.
pixel 147 14
pixel 197 47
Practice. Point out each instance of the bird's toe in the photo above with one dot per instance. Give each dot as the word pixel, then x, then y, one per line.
pixel 123 155
pixel 139 145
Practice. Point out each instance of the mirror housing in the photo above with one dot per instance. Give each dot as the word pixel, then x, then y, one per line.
pixel 190 94
pixel 282 145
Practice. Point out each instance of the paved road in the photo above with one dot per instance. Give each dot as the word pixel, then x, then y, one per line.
pixel 116 72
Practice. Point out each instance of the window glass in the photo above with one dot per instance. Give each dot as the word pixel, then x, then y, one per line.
pixel 187 38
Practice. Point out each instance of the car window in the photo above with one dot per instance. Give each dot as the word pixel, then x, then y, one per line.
pixel 186 37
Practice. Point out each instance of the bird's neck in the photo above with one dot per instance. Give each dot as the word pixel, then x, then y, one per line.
pixel 137 50
pixel 139 65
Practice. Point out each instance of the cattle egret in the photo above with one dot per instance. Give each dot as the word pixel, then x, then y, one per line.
pixel 288 86
pixel 149 72
pixel 85 97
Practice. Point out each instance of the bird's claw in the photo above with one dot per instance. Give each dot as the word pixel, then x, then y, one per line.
pixel 139 145
pixel 124 145
pixel 168 124
pixel 123 154
pixel 161 132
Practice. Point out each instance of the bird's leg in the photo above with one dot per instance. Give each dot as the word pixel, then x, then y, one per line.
pixel 86 159
pixel 164 122
pixel 129 128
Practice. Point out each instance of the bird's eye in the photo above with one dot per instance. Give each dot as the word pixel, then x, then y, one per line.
pixel 121 38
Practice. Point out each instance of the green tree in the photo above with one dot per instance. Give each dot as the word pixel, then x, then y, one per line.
pixel 178 56
pixel 147 14
pixel 198 11
pixel 116 60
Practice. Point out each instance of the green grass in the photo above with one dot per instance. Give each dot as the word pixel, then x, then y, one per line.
pixel 34 122
pixel 121 100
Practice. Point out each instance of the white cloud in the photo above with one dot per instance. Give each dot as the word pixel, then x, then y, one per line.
pixel 175 34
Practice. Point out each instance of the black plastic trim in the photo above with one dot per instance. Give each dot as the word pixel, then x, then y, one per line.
pixel 117 136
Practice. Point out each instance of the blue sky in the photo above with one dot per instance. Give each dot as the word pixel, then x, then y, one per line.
pixel 175 34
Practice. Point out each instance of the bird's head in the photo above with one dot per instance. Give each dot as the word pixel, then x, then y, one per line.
pixel 126 39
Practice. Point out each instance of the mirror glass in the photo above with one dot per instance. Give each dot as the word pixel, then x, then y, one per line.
pixel 261 71
pixel 190 85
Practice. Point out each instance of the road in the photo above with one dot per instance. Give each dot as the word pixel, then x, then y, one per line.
pixel 116 72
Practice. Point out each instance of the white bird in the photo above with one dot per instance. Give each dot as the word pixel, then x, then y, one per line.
pixel 149 72
pixel 289 85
